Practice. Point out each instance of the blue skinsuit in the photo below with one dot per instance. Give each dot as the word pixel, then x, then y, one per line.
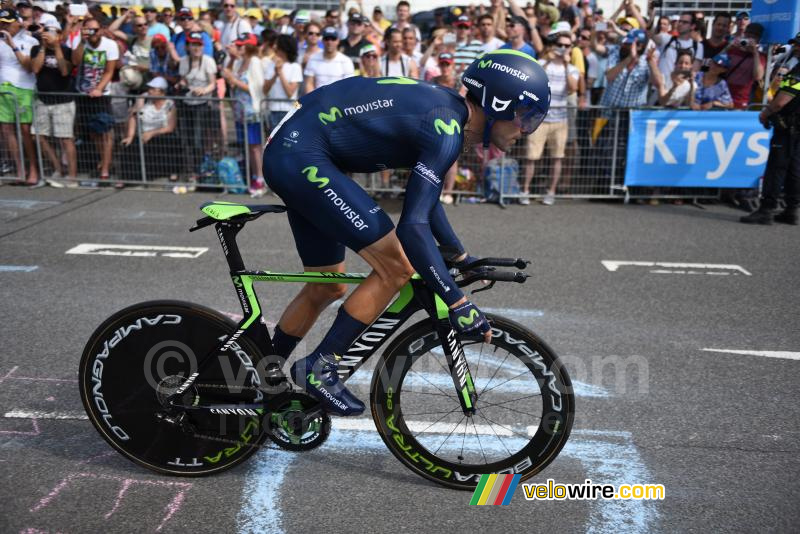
pixel 366 125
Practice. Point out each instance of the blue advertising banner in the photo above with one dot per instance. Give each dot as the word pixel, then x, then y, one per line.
pixel 780 18
pixel 696 149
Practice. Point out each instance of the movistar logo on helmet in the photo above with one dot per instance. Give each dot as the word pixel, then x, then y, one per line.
pixel 440 126
pixel 508 70
pixel 331 116
pixel 500 105
pixel 311 176
pixel 485 63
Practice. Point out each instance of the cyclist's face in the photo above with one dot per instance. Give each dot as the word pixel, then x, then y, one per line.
pixel 505 134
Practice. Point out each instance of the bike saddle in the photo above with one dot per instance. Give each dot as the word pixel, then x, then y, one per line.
pixel 219 210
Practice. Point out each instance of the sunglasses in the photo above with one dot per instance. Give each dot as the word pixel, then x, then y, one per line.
pixel 370 56
pixel 562 45
pixel 91 31
pixel 313 33
pixel 585 37
pixel 226 6
pixel 510 23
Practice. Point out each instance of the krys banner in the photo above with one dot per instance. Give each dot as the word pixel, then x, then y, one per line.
pixel 696 149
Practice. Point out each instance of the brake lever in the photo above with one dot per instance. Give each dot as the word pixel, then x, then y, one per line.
pixel 487 287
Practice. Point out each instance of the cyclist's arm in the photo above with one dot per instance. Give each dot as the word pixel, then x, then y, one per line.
pixel 415 228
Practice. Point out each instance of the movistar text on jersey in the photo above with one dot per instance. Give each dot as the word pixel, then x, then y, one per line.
pixel 369 106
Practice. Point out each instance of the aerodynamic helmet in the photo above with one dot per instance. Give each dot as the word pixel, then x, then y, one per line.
pixel 510 85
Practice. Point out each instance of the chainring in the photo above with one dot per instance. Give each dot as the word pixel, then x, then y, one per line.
pixel 290 428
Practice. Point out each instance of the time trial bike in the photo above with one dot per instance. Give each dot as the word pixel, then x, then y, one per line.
pixel 181 389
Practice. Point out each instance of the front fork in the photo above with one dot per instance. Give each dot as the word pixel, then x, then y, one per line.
pixel 458 366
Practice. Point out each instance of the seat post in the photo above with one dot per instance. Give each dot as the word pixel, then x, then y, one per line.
pixel 226 232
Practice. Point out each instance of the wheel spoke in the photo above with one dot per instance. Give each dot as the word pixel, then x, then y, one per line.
pixel 479 441
pixel 510 409
pixel 432 384
pixel 512 400
pixel 504 427
pixel 526 371
pixel 428 413
pixel 477 367
pixel 442 417
pixel 495 435
pixel 450 434
pixel 495 373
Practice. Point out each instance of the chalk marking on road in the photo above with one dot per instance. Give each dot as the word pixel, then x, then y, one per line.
pixel 782 354
pixel 125 483
pixel 18 268
pixel 139 251
pixel 678 268
pixel 35 432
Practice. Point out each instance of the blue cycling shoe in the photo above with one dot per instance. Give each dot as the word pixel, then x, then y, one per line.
pixel 317 375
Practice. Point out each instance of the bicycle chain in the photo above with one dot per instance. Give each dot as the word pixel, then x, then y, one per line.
pixel 268 443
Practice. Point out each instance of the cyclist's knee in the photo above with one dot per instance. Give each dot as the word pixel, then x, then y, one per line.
pixel 324 294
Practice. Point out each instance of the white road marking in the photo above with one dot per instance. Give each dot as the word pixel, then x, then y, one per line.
pixel 607 456
pixel 783 354
pixel 16 414
pixel 26 204
pixel 143 251
pixel 678 268
pixel 18 268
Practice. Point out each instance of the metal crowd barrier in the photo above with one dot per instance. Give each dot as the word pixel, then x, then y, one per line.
pixel 184 155
pixel 593 165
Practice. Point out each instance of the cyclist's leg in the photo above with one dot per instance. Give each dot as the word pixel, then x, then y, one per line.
pixel 339 212
pixel 318 253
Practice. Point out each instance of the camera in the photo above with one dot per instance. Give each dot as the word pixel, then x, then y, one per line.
pixel 657 3
pixel 219 56
pixel 744 43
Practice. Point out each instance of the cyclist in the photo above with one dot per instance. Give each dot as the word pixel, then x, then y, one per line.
pixel 370 124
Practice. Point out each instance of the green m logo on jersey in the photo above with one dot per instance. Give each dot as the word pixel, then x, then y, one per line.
pixel 466 321
pixel 311 176
pixel 449 129
pixel 331 116
pixel 485 63
pixel 397 80
pixel 313 380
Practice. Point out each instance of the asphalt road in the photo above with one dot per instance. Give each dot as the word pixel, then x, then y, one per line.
pixel 686 375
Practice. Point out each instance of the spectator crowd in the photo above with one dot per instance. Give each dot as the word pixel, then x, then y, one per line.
pixel 144 88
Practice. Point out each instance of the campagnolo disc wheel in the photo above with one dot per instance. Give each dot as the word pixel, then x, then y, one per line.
pixel 140 356
pixel 525 405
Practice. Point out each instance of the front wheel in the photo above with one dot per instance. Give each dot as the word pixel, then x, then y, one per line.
pixel 525 405
pixel 142 355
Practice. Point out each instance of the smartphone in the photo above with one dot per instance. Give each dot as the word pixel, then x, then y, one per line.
pixel 601 26
pixel 78 10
